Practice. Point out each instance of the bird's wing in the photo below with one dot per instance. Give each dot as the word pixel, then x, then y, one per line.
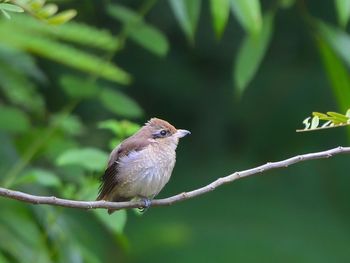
pixel 110 178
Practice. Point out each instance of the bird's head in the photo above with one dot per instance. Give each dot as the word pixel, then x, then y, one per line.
pixel 163 132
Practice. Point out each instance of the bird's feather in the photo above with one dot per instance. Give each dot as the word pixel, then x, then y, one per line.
pixel 109 179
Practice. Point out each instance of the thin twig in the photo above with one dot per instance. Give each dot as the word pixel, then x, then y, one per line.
pixel 52 200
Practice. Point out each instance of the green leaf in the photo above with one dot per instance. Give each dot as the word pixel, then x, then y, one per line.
pixel 338 117
pixel 140 32
pixel 47 11
pixel 13 120
pixel 62 17
pixel 248 14
pixel 119 103
pixel 85 35
pixel 120 128
pixel 91 159
pixel 220 10
pixel 187 14
pixel 5 14
pixel 39 176
pixel 64 54
pixel 337 39
pixel 314 122
pixel 11 8
pixel 343 12
pixel 114 222
pixel 77 87
pixel 251 53
pixel 337 73
pixel 149 38
pixel 70 124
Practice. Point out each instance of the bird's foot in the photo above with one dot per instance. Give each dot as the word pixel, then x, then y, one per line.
pixel 147 204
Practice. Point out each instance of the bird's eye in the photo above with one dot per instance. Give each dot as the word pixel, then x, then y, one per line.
pixel 163 132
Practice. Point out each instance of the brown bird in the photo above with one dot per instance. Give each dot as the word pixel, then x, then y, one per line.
pixel 142 164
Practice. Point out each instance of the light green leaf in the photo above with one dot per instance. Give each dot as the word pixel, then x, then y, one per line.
pixel 114 222
pixel 220 10
pixel 248 14
pixel 13 120
pixel 251 53
pixel 337 73
pixel 47 10
pixel 338 117
pixel 119 103
pixel 77 87
pixel 11 8
pixel 343 11
pixel 120 128
pixel 5 14
pixel 314 122
pixel 187 14
pixel 91 159
pixel 40 176
pixel 62 17
pixel 140 32
pixel 306 122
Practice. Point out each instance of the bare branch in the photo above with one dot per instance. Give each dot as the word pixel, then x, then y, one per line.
pixel 51 200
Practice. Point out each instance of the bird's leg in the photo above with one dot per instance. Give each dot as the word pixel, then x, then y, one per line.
pixel 147 203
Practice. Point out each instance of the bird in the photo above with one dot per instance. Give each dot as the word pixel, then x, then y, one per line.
pixel 141 165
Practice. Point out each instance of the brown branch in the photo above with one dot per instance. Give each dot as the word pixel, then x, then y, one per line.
pixel 51 200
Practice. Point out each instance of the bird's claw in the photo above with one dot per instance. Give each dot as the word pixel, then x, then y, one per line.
pixel 147 204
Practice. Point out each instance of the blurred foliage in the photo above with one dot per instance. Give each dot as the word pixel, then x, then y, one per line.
pixel 62 93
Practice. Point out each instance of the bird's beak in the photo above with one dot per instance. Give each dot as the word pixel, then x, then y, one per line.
pixel 182 133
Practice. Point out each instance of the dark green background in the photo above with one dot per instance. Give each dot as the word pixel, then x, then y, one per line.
pixel 297 214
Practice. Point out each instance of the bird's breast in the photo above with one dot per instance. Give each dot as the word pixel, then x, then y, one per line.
pixel 144 173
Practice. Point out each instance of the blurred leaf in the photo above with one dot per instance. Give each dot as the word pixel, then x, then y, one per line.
pixel 120 128
pixel 64 54
pixel 79 33
pixel 140 32
pixel 77 87
pixel 337 73
pixel 11 8
pixel 22 235
pixel 13 120
pixel 39 176
pixel 47 10
pixel 5 14
pixel 251 53
pixel 114 222
pixel 17 69
pixel 187 14
pixel 286 3
pixel 343 11
pixel 70 124
pixel 62 17
pixel 120 104
pixel 92 159
pixel 220 10
pixel 3 259
pixel 248 14
pixel 337 39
